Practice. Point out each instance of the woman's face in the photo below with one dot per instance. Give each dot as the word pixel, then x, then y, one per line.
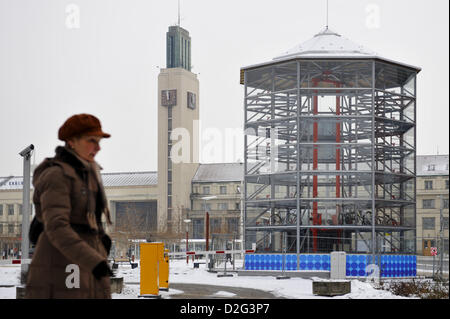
pixel 86 146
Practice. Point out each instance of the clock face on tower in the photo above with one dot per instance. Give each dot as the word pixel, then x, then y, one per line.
pixel 191 100
pixel 169 97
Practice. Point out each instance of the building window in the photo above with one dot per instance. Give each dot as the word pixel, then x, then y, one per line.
pixel 198 227
pixel 223 206
pixel 237 206
pixel 445 203
pixel 11 209
pixel 1 209
pixel 206 190
pixel 445 222
pixel 428 223
pixel 428 184
pixel 233 225
pixel 206 207
pixel 1 228
pixel 215 225
pixel 223 190
pixel 428 203
pixel 446 184
pixel 431 167
pixel 20 210
pixel 10 228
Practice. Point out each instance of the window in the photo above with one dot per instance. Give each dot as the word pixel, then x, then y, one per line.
pixel 428 223
pixel 445 222
pixel 428 184
pixel 428 203
pixel 215 225
pixel 11 209
pixel 20 210
pixel 206 190
pixel 223 206
pixel 1 228
pixel 10 228
pixel 1 209
pixel 445 203
pixel 198 227
pixel 237 206
pixel 206 207
pixel 446 184
pixel 223 190
pixel 233 225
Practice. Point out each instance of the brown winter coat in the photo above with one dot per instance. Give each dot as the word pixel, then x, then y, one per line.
pixel 71 214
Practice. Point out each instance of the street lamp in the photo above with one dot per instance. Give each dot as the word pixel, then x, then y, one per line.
pixel 26 154
pixel 187 221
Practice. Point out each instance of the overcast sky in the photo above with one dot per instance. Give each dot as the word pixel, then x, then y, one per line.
pixel 58 58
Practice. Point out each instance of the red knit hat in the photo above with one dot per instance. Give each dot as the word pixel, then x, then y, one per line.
pixel 81 124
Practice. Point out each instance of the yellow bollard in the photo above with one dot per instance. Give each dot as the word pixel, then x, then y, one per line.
pixel 151 256
pixel 164 272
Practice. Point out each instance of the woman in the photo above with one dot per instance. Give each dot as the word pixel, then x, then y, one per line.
pixel 70 258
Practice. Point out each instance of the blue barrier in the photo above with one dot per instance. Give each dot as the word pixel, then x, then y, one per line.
pixel 390 266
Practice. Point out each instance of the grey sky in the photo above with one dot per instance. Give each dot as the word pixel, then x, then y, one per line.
pixel 109 65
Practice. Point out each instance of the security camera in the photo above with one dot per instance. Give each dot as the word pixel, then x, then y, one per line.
pixel 27 150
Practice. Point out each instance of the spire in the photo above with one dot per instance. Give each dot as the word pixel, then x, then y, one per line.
pixel 179 13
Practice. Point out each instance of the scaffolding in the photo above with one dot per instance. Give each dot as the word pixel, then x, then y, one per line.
pixel 330 150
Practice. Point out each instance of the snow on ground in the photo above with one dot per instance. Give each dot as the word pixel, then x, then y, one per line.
pixel 180 272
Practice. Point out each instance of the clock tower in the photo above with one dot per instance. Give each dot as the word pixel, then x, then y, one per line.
pixel 178 115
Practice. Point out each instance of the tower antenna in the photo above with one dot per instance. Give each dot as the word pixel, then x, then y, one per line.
pixel 178 12
pixel 327 15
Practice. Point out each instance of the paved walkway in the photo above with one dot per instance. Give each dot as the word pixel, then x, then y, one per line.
pixel 198 291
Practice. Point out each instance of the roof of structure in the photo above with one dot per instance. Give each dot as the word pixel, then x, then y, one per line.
pixel 429 165
pixel 219 172
pixel 329 44
pixel 109 180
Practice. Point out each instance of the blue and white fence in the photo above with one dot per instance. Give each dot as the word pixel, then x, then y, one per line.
pixel 390 266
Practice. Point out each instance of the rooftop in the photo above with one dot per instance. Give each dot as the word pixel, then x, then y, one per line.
pixel 329 44
pixel 219 172
pixel 109 180
pixel 429 165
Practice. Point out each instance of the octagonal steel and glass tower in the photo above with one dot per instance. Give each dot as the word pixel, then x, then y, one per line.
pixel 330 146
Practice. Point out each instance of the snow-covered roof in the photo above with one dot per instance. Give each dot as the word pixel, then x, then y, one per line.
pixel 130 179
pixel 325 44
pixel 429 165
pixel 329 44
pixel 219 172
pixel 109 180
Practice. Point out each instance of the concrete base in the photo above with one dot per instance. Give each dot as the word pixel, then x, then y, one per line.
pixel 150 296
pixel 301 274
pixel 116 285
pixel 283 277
pixel 331 288
pixel 20 292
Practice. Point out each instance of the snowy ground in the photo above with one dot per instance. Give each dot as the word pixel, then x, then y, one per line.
pixel 294 288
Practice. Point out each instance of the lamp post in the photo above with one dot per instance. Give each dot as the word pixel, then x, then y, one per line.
pixel 26 154
pixel 207 220
pixel 207 228
pixel 187 221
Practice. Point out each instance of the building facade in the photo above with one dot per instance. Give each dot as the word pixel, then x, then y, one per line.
pixel 432 203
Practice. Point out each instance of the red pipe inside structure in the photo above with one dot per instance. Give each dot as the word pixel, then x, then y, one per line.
pixel 316 217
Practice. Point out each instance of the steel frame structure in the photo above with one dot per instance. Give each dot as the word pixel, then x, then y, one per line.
pixel 328 142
